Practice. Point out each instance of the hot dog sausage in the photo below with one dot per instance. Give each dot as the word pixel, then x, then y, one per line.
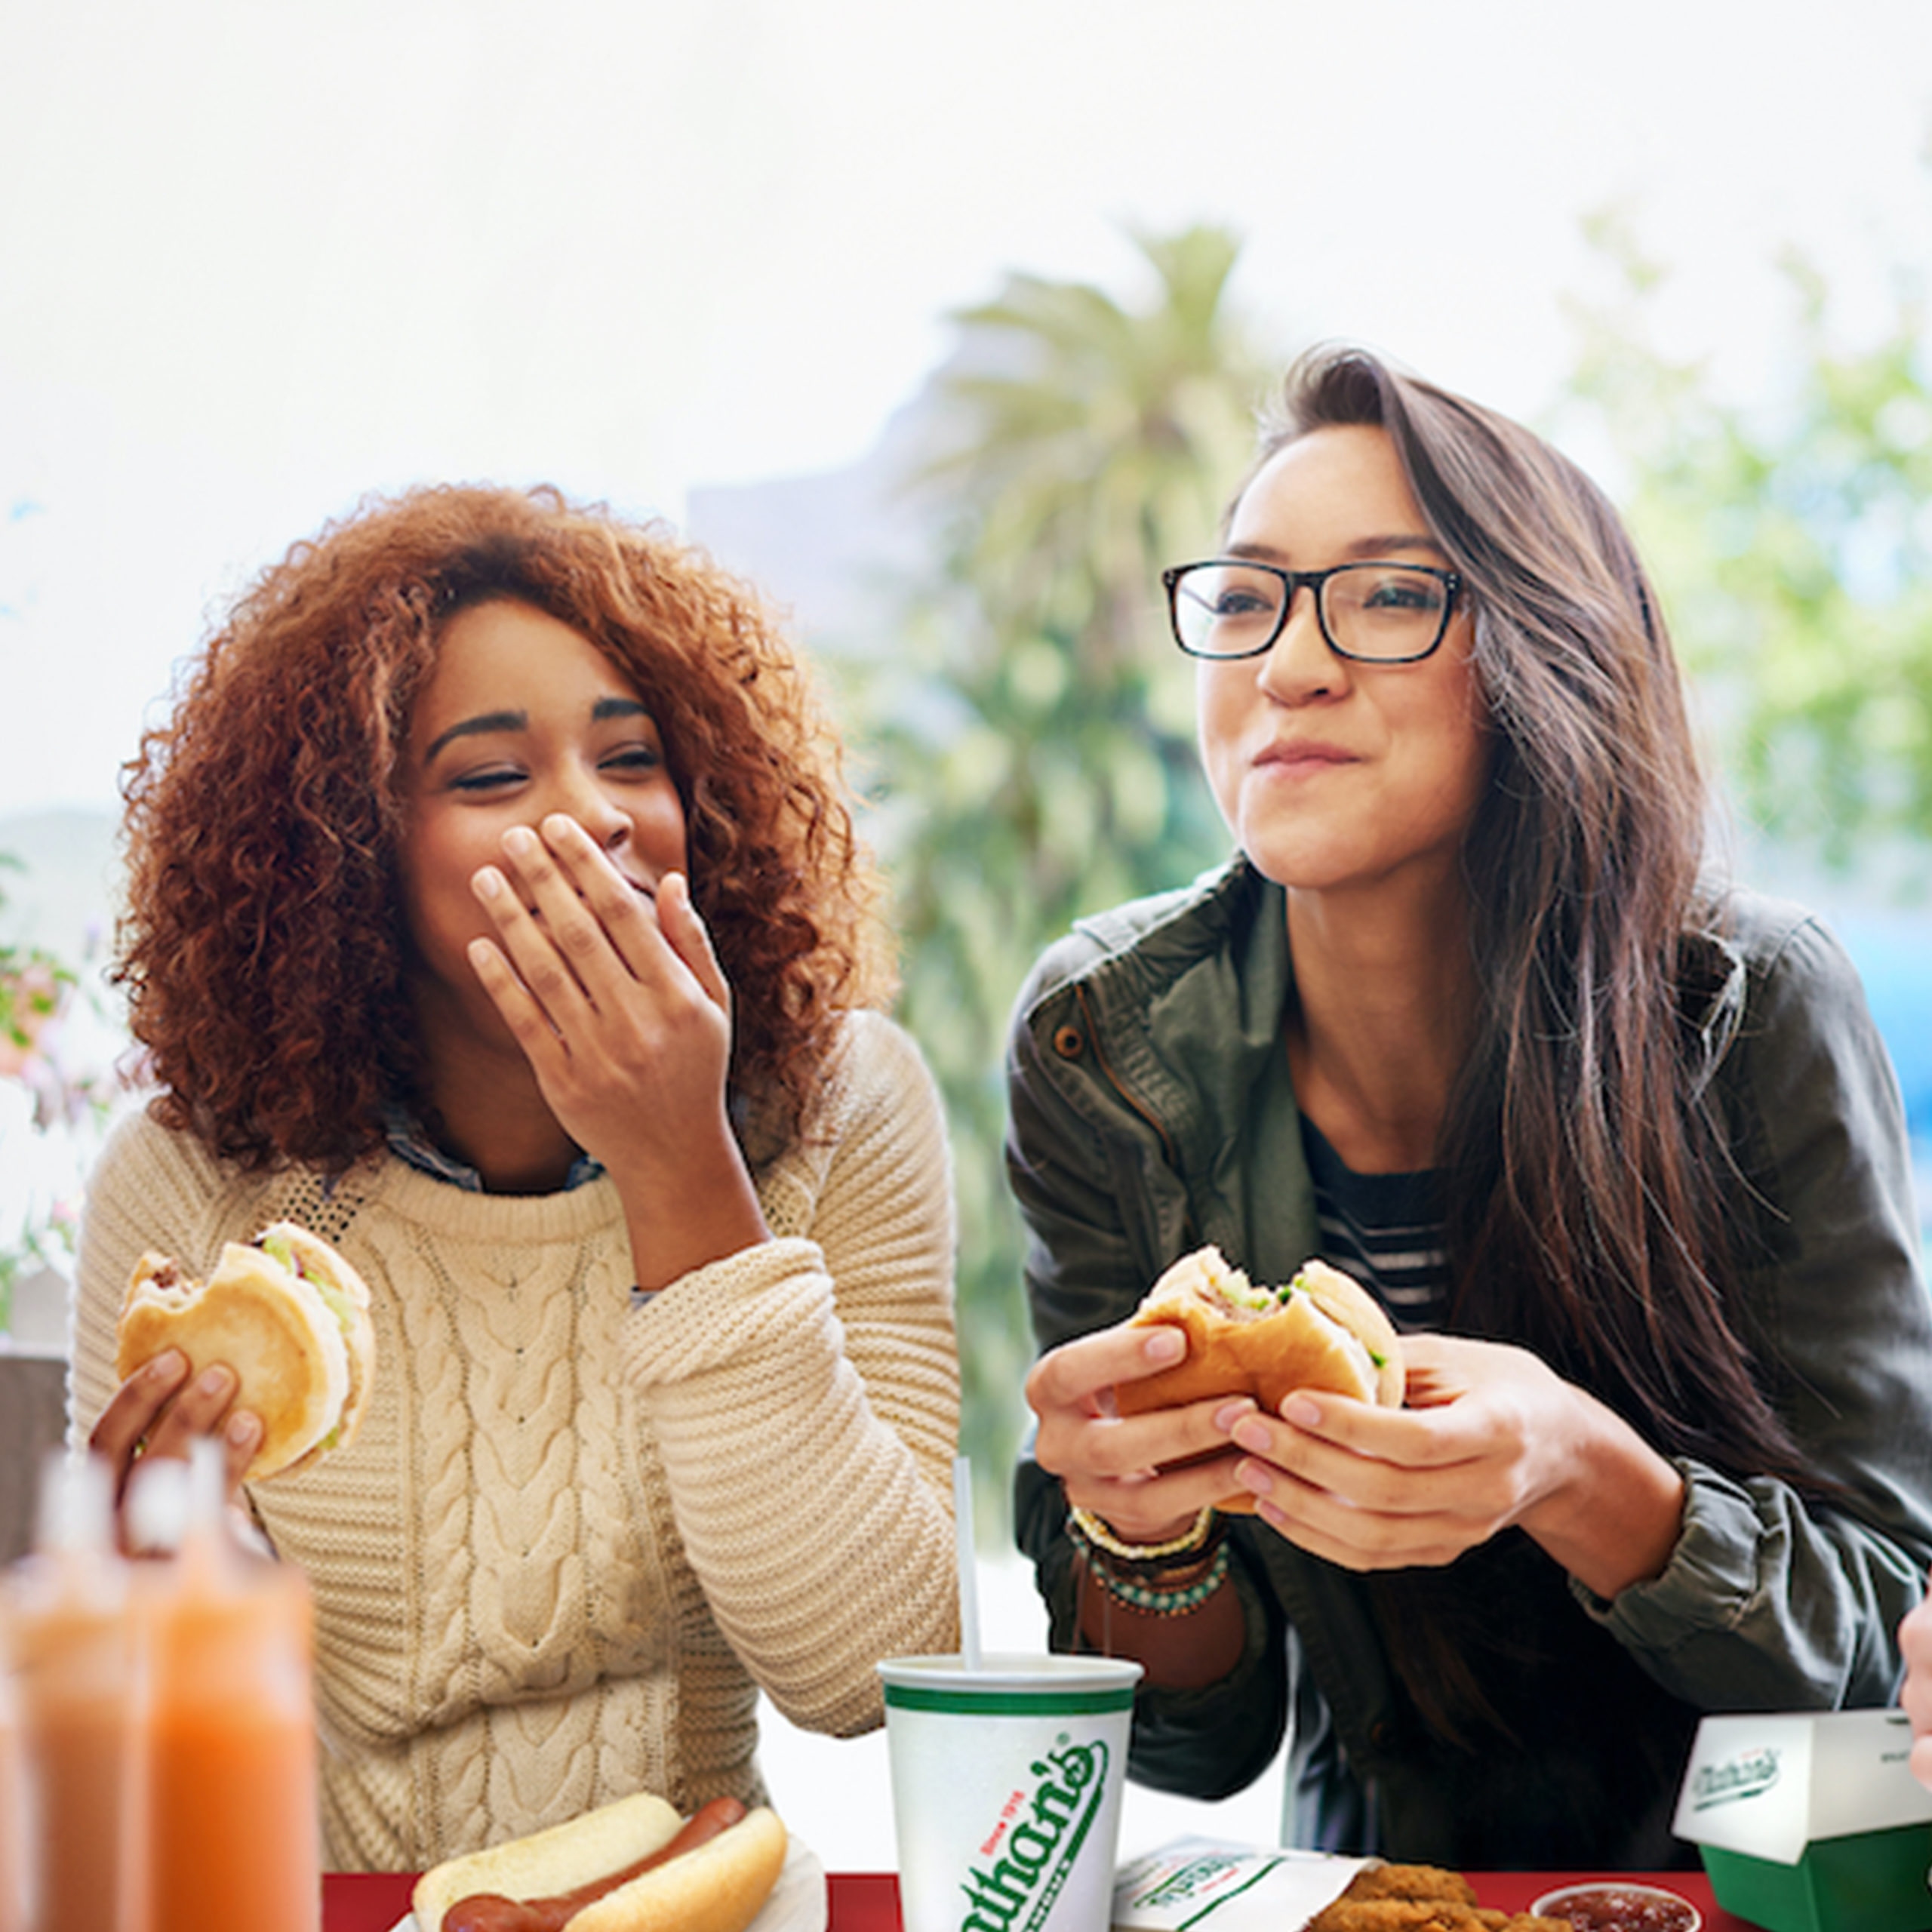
pixel 490 1911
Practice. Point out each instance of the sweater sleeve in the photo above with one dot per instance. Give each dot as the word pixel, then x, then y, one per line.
pixel 804 1393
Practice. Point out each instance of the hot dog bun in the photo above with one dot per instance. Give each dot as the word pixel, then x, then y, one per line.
pixel 288 1315
pixel 720 1887
pixel 1323 1330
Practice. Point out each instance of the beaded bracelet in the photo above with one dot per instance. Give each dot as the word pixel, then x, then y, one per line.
pixel 1085 1526
pixel 1163 1603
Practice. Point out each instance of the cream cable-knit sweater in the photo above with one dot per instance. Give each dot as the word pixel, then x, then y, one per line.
pixel 574 1536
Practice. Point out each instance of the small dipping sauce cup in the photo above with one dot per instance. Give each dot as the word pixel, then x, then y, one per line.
pixel 1608 1905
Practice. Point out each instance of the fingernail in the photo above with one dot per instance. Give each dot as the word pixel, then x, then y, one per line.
pixel 561 825
pixel 243 1429
pixel 489 883
pixel 520 842
pixel 1303 1413
pixel 167 1366
pixel 1252 1476
pixel 1251 1433
pixel 1229 1413
pixel 216 1381
pixel 1166 1345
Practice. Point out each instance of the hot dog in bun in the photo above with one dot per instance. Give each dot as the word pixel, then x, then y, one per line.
pixel 632 1866
pixel 1321 1331
pixel 288 1315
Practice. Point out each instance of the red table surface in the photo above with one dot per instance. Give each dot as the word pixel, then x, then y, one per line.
pixel 869 1901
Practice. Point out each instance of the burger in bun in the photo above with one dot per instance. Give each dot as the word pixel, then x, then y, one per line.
pixel 1322 1330
pixel 288 1315
pixel 632 1866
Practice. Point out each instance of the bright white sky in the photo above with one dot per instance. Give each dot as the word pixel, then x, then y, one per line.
pixel 256 260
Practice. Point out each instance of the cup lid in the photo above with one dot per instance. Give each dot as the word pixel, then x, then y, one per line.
pixel 1053 1675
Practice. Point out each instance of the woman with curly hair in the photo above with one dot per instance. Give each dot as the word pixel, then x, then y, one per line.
pixel 495 911
pixel 1617 1144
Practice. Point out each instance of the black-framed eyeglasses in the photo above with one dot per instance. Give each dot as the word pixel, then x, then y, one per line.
pixel 1375 613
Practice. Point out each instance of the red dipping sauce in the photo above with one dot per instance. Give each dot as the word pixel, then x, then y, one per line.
pixel 1614 1907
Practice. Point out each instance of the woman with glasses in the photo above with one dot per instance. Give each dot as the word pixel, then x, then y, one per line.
pixel 495 911
pixel 1620 1151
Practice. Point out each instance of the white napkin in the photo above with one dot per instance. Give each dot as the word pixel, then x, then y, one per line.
pixel 1231 1887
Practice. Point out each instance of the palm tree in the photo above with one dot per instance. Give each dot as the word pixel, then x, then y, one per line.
pixel 1033 733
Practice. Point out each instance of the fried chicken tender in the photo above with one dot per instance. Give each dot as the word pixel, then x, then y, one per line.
pixel 1348 1915
pixel 1419 1898
pixel 1410 1881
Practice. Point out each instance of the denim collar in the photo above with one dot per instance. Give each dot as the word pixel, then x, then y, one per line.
pixel 411 1145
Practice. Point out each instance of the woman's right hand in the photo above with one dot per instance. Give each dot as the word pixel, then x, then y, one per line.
pixel 1123 1468
pixel 159 1410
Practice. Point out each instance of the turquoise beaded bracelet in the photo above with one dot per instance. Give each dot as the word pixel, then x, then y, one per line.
pixel 1163 1603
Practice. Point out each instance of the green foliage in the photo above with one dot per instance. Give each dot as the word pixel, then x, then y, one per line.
pixel 34 985
pixel 1793 548
pixel 1032 732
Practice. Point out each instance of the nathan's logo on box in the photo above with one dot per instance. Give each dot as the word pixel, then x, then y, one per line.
pixel 1810 1821
pixel 1043 1831
pixel 1750 1774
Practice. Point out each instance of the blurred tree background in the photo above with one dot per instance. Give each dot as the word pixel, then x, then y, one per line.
pixel 1030 732
pixel 1792 544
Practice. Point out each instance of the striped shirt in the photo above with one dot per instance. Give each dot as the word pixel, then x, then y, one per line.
pixel 1384 1230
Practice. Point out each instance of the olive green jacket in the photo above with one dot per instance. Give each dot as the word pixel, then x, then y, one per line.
pixel 1150 1112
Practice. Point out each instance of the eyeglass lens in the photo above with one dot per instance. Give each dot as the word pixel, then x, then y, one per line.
pixel 1371 610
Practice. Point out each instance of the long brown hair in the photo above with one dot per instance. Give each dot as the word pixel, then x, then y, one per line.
pixel 263 948
pixel 1581 1166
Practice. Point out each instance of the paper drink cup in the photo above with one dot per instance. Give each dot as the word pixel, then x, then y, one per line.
pixel 1006 1789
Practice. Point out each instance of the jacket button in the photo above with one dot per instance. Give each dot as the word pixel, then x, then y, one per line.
pixel 1068 1042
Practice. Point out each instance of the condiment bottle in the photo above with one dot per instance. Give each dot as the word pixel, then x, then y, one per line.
pixel 74 1630
pixel 236 1844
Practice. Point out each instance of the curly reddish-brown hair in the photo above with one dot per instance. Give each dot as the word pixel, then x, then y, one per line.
pixel 263 948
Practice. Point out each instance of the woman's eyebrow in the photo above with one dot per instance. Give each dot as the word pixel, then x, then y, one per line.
pixel 490 721
pixel 1365 547
pixel 477 727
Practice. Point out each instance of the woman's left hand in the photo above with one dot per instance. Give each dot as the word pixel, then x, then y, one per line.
pixel 1491 1437
pixel 619 1003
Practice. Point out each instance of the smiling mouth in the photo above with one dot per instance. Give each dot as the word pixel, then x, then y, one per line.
pixel 1303 758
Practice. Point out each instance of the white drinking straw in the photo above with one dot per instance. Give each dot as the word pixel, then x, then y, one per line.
pixel 962 1544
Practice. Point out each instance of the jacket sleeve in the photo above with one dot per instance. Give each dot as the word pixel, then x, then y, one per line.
pixel 1776 1599
pixel 805 1396
pixel 1086 1269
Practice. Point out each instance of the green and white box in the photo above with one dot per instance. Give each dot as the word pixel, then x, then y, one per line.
pixel 1811 1821
pixel 1006 1789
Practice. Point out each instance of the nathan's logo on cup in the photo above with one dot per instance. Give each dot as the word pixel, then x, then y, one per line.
pixel 1750 1774
pixel 1006 1788
pixel 1042 1831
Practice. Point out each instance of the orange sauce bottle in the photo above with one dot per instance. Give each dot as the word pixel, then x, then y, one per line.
pixel 236 1834
pixel 73 1627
